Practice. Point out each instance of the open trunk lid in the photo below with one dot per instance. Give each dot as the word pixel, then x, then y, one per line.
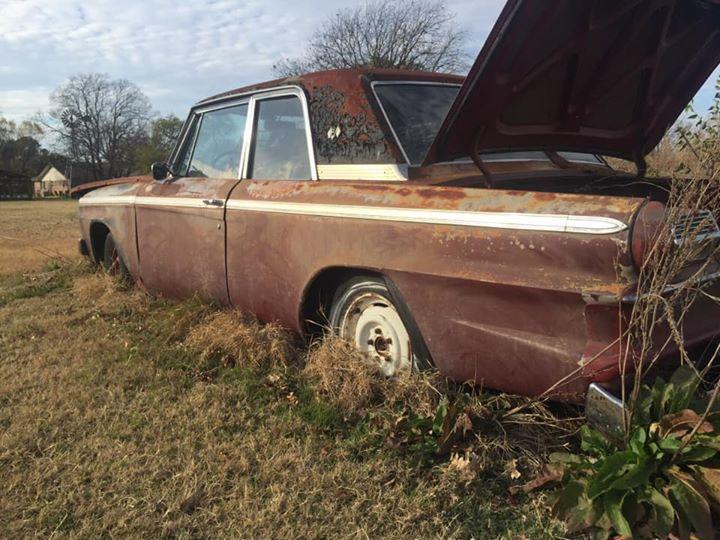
pixel 597 76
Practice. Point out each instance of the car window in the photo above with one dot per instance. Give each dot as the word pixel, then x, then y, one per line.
pixel 183 158
pixel 416 112
pixel 578 157
pixel 219 143
pixel 280 146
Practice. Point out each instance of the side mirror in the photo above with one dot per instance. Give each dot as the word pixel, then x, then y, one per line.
pixel 160 171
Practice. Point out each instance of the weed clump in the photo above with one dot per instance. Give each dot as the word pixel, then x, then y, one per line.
pixel 342 376
pixel 232 339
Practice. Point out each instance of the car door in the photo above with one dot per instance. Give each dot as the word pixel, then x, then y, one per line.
pixel 180 221
pixel 262 277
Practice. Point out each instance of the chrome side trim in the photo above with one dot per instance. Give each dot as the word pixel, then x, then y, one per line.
pixel 109 200
pixel 495 220
pixel 387 173
pixel 498 220
pixel 605 412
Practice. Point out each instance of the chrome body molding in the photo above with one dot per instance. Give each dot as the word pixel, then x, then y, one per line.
pixel 388 173
pixel 106 200
pixel 692 282
pixel 495 220
pixel 605 412
pixel 492 220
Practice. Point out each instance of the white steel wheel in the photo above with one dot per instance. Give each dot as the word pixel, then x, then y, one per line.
pixel 365 316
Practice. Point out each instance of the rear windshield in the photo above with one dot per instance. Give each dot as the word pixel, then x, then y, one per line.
pixel 416 111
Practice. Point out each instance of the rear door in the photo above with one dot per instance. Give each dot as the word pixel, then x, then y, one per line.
pixel 181 221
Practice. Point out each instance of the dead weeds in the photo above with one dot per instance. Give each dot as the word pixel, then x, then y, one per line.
pixel 125 416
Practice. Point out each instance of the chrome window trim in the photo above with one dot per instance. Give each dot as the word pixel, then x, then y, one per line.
pixel 200 112
pixel 373 84
pixel 273 93
pixel 250 98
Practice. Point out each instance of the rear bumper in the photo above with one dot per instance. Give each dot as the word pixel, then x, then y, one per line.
pixel 605 411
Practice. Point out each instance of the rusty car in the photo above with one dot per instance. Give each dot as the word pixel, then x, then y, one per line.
pixel 469 223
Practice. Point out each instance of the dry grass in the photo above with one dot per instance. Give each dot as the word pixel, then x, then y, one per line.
pixel 126 416
pixel 33 232
pixel 341 376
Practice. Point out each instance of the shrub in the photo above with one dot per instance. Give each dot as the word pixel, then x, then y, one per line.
pixel 665 478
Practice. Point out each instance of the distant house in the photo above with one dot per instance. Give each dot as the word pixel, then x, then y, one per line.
pixel 51 183
pixel 14 186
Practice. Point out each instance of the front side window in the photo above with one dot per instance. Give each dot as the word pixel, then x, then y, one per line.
pixel 219 143
pixel 280 146
pixel 183 157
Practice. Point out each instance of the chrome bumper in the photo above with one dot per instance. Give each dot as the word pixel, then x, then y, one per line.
pixel 605 412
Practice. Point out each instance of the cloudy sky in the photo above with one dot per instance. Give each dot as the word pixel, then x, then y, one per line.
pixel 177 51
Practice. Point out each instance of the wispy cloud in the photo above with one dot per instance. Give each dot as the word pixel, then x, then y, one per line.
pixel 177 52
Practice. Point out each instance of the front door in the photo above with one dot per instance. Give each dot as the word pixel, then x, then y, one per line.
pixel 181 221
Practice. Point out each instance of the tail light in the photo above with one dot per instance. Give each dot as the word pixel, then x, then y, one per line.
pixel 646 231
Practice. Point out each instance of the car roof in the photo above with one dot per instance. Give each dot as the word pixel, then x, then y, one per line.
pixel 341 77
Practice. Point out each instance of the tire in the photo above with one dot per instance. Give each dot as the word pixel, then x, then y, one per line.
pixel 112 261
pixel 365 313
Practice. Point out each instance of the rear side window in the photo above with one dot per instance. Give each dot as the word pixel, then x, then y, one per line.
pixel 219 143
pixel 416 112
pixel 280 146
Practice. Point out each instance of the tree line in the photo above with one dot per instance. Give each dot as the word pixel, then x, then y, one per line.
pixel 98 127
pixel 106 127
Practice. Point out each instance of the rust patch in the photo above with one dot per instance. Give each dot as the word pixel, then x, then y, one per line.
pixel 447 194
pixel 343 137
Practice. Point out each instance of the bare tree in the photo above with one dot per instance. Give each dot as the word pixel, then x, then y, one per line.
pixel 408 34
pixel 100 122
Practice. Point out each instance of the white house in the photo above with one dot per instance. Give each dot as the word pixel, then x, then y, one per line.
pixel 51 183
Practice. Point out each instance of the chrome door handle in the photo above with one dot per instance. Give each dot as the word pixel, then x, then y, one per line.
pixel 214 202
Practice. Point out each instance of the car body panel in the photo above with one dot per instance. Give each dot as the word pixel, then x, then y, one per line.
pixel 597 76
pixel 504 293
pixel 513 284
pixel 181 237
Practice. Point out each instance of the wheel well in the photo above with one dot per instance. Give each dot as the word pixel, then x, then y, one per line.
pixel 98 234
pixel 318 296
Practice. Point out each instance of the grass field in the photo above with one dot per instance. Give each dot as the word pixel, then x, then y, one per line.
pixel 33 232
pixel 125 416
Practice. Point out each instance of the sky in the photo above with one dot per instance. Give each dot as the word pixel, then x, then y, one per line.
pixel 178 52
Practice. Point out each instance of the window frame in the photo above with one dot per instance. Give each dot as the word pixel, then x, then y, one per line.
pixel 251 99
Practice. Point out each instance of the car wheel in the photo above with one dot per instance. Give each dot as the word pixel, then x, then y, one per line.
pixel 364 313
pixel 112 261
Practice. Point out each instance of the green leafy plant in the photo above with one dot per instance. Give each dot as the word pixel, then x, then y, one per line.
pixel 665 478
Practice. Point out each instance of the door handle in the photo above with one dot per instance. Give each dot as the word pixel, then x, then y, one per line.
pixel 214 202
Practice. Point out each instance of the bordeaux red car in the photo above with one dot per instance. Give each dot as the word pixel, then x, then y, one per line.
pixel 466 223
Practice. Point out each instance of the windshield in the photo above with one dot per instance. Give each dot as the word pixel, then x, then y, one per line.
pixel 416 111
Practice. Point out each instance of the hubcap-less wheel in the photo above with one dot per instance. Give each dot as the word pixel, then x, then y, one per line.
pixel 373 324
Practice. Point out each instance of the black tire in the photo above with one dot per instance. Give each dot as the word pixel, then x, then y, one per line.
pixel 346 296
pixel 112 261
